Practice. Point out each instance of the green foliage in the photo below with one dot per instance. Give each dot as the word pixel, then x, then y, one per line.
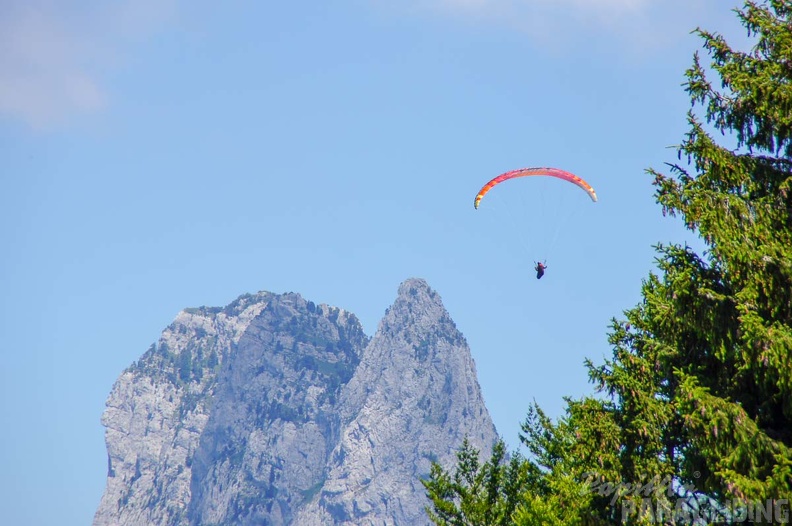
pixel 702 370
pixel 548 487
pixel 185 366
pixel 698 392
pixel 700 378
pixel 720 327
pixel 476 493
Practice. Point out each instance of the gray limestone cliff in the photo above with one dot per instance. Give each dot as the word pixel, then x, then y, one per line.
pixel 274 410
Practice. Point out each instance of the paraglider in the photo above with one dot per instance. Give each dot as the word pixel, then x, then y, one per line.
pixel 526 172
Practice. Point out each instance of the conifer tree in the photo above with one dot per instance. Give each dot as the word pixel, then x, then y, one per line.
pixel 718 326
pixel 697 405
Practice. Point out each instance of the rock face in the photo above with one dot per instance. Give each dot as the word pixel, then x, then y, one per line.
pixel 274 410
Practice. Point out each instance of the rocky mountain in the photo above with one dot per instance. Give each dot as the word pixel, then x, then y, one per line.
pixel 275 410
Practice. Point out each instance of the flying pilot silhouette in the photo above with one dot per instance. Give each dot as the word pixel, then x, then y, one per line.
pixel 540 269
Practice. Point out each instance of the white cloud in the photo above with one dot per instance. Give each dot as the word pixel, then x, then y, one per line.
pixel 591 5
pixel 51 55
pixel 641 23
pixel 548 9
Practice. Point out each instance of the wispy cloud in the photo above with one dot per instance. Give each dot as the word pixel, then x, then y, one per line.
pixel 608 6
pixel 640 23
pixel 52 55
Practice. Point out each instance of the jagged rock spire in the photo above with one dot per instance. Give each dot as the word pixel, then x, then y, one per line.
pixel 279 411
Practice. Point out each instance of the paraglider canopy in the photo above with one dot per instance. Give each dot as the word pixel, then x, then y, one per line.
pixel 526 172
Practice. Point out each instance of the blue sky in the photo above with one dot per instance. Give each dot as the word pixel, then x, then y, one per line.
pixel 158 155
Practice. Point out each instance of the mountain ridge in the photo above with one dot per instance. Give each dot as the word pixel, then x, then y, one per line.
pixel 277 410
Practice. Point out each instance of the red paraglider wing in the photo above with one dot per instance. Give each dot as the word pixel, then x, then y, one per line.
pixel 525 172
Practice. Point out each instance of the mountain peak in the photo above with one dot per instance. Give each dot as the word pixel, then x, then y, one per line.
pixel 419 284
pixel 418 309
pixel 415 390
pixel 417 289
pixel 276 410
